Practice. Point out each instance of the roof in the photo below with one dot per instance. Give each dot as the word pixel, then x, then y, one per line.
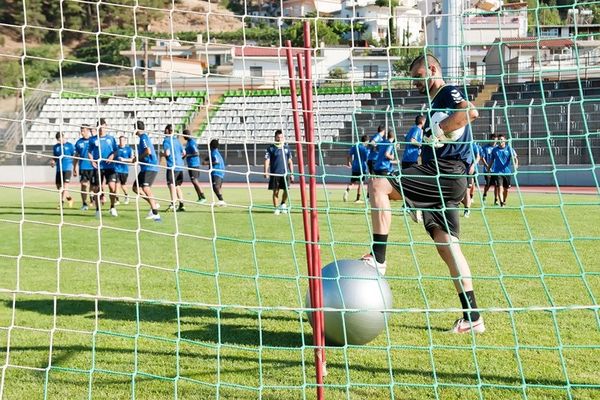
pixel 251 51
pixel 534 42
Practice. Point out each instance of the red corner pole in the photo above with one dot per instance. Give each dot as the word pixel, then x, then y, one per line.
pixel 316 253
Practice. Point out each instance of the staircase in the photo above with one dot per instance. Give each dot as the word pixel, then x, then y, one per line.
pixel 485 94
pixel 203 111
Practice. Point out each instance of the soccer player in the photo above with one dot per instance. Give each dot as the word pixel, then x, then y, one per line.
pixel 412 143
pixel 148 170
pixel 217 171
pixel 192 158
pixel 124 158
pixel 102 151
pixel 357 160
pixel 376 138
pixel 279 169
pixel 486 159
pixel 83 167
pixel 386 159
pixel 472 169
pixel 174 154
pixel 502 158
pixel 438 185
pixel 63 152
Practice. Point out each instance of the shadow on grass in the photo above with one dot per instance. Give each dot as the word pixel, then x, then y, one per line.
pixel 247 365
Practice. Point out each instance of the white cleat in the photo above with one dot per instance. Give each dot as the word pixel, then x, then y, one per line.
pixel 462 325
pixel 277 211
pixel 283 208
pixel 153 217
pixel 369 259
pixel 113 212
pixel 84 207
pixel 221 203
pixel 126 200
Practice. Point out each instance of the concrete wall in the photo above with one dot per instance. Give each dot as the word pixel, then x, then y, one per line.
pixel 582 175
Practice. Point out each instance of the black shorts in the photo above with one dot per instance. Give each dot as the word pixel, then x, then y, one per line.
pixel 194 174
pixel 408 164
pixel 279 182
pixel 86 175
pixel 108 175
pixel 94 177
pixel 217 183
pixel 421 187
pixel 145 178
pixel 503 180
pixel 370 165
pixel 174 176
pixel 489 180
pixel 122 178
pixel 358 176
pixel 62 177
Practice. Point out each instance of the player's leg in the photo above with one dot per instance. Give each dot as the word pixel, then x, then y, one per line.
pixel 500 189
pixel 171 186
pixel 488 183
pixel 506 184
pixel 449 250
pixel 467 200
pixel 194 176
pixel 179 192
pixel 143 187
pixel 348 186
pixel 84 181
pixel 217 184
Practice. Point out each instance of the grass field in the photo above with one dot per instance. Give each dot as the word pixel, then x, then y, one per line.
pixel 215 289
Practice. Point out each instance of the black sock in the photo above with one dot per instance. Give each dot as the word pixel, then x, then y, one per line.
pixel 467 300
pixel 154 212
pixel 379 247
pixel 69 198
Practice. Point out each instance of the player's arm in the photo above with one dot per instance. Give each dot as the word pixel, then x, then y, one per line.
pixel 349 158
pixel 515 159
pixel 459 119
pixel 267 164
pixel 90 156
pixel 291 168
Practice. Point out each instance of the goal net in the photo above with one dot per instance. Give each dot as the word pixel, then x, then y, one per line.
pixel 211 301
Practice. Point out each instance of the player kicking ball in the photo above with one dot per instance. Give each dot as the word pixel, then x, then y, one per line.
pixel 437 186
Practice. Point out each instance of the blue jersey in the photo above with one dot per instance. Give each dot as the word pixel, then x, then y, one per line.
pixel 446 100
pixel 477 152
pixel 103 147
pixel 384 164
pixel 81 151
pixel 217 164
pixel 147 162
pixel 373 150
pixel 67 151
pixel 123 152
pixel 175 149
pixel 502 160
pixel 411 151
pixel 486 153
pixel 278 156
pixel 192 156
pixel 360 154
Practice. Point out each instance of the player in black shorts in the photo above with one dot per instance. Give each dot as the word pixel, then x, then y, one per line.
pixel 437 186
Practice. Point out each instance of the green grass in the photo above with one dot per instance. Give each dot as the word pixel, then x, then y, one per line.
pixel 221 292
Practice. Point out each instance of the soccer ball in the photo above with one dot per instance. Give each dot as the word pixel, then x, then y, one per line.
pixel 453 136
pixel 352 284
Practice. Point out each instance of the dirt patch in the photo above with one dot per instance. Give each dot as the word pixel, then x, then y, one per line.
pixel 194 15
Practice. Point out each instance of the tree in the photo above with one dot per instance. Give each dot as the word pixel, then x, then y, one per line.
pixel 319 29
pixel 391 5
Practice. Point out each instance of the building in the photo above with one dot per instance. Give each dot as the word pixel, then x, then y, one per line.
pixel 299 8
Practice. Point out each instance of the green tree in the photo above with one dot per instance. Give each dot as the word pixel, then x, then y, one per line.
pixel 319 28
pixel 391 6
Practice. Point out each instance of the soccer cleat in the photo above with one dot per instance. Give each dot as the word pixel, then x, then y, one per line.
pixel 113 212
pixel 483 199
pixel 496 203
pixel 467 213
pixel 153 217
pixel 70 203
pixel 84 207
pixel 97 214
pixel 126 200
pixel 181 208
pixel 502 204
pixel 462 325
pixel 170 208
pixel 283 208
pixel 358 201
pixel 221 203
pixel 277 211
pixel 201 201
pixel 369 259
pixel 345 196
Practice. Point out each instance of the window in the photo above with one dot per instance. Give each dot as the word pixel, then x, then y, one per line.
pixel 371 71
pixel 256 71
pixel 550 32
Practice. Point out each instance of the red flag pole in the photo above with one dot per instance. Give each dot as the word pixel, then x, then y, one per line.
pixel 312 170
